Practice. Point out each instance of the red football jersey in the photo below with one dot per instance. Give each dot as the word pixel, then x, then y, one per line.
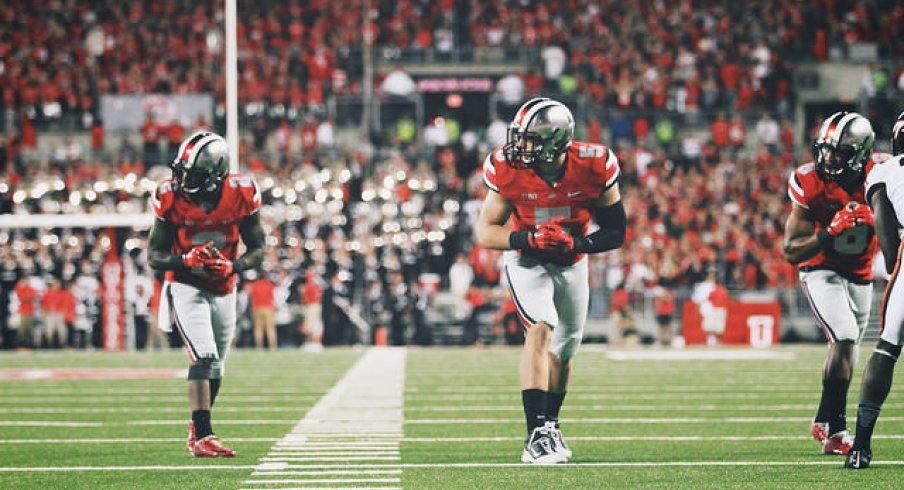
pixel 240 199
pixel 822 199
pixel 590 170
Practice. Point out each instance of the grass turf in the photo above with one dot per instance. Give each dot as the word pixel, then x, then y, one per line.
pixel 693 423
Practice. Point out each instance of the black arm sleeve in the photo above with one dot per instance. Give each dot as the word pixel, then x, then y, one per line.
pixel 613 223
pixel 253 235
pixel 160 256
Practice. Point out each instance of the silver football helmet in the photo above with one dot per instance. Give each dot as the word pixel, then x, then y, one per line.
pixel 542 130
pixel 843 146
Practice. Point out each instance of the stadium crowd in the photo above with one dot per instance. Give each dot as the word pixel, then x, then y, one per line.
pixel 365 222
pixel 57 59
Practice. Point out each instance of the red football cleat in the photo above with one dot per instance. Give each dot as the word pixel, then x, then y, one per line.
pixel 211 447
pixel 839 443
pixel 190 442
pixel 820 431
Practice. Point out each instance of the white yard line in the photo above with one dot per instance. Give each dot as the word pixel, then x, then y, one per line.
pixel 363 469
pixel 359 419
pixel 126 468
pixel 706 407
pixel 430 440
pixel 637 420
pixel 173 409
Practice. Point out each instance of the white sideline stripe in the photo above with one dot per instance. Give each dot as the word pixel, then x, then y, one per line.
pixel 359 419
pixel 364 435
pixel 330 488
pixel 325 480
pixel 696 389
pixel 149 399
pixel 612 397
pixel 639 408
pixel 643 420
pixel 173 409
pixel 701 355
pixel 128 468
pixel 638 438
pixel 327 472
pixel 129 441
pixel 339 452
pixel 833 462
pixel 453 439
pixel 330 458
pixel 334 447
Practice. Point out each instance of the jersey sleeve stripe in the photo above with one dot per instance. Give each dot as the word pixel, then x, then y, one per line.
pixel 489 173
pixel 614 177
pixel 489 184
pixel 796 199
pixel 611 159
pixel 488 165
pixel 794 183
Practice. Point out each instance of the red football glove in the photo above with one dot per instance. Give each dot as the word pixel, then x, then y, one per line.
pixel 551 236
pixel 864 216
pixel 219 265
pixel 843 220
pixel 221 268
pixel 197 256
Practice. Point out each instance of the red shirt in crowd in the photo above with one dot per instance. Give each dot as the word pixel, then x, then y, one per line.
pixel 27 296
pixel 312 290
pixel 262 293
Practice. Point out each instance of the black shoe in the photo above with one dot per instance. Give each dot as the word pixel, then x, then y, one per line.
pixel 540 448
pixel 858 459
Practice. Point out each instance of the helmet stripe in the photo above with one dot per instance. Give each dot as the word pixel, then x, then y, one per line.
pixel 519 117
pixel 188 144
pixel 205 139
pixel 829 126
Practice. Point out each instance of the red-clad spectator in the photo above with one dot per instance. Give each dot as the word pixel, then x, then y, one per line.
pixel 263 311
pixel 97 136
pixel 151 132
pixel 28 298
pixel 308 136
pixel 641 128
pixel 311 294
pixel 53 311
pixel 28 134
pixel 175 133
pixel 665 309
pixel 720 131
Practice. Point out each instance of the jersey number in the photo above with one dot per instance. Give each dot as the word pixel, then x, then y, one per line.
pixel 853 241
pixel 200 238
pixel 542 215
pixel 591 151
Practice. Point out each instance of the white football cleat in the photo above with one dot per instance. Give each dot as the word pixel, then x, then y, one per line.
pixel 540 448
pixel 559 445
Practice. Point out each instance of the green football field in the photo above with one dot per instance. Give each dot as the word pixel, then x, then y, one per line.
pixel 430 419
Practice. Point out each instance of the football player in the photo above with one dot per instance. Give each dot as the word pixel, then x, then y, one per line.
pixel 885 193
pixel 550 186
pixel 202 212
pixel 829 236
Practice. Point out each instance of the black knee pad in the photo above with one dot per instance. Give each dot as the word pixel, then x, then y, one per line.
pixel 891 350
pixel 200 370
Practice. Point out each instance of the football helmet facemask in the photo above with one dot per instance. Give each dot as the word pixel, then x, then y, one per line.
pixel 843 146
pixel 897 136
pixel 542 130
pixel 202 163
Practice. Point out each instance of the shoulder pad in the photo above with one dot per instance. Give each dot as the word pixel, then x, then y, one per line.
pixel 162 198
pixel 803 183
pixel 247 191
